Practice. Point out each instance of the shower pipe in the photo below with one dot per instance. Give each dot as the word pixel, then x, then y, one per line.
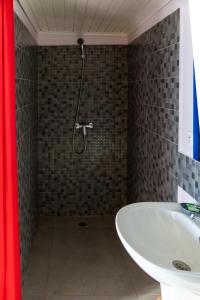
pixel 77 125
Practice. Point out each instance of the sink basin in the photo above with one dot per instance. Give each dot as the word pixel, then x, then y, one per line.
pixel 160 238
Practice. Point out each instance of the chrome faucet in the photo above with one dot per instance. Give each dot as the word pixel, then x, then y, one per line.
pixel 194 217
pixel 84 126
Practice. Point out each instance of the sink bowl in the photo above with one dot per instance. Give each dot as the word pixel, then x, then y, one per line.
pixel 165 243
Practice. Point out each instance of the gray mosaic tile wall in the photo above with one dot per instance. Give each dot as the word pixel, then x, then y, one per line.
pixel 153 113
pixel 155 166
pixel 93 183
pixel 26 113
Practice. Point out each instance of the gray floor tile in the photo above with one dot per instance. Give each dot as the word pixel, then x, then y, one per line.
pixel 69 262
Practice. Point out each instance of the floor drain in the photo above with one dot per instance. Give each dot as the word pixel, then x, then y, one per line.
pixel 82 224
pixel 180 265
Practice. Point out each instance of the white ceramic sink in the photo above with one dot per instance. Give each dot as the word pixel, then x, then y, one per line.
pixel 156 234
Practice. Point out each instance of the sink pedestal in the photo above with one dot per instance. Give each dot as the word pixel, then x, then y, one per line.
pixel 173 293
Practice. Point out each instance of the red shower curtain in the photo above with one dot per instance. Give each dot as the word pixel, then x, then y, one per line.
pixel 9 231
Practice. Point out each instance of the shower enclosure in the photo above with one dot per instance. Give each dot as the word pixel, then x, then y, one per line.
pixel 82 84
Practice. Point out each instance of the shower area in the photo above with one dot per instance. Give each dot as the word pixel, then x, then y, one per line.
pixel 86 147
pixel 82 174
pixel 72 136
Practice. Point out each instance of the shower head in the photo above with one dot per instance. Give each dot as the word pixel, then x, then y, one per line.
pixel 80 41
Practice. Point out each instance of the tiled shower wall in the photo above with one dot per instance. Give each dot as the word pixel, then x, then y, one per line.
pixel 95 182
pixel 153 113
pixel 155 168
pixel 26 113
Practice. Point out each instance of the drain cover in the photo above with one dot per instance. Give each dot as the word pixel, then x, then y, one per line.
pixel 82 224
pixel 180 265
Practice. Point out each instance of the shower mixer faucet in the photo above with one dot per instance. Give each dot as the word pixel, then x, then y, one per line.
pixel 84 126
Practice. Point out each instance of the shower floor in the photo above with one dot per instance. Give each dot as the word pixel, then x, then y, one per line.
pixel 70 262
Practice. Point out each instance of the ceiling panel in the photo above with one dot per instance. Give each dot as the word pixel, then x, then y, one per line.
pixel 94 16
pixel 69 7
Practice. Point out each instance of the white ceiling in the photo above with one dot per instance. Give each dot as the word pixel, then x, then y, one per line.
pixel 89 16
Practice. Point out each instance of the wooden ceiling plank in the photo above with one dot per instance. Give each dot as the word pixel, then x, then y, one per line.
pixel 38 13
pixel 54 14
pixel 114 15
pixel 127 9
pixel 59 14
pixel 69 9
pixel 74 14
pixel 84 16
pixel 46 27
pixel 93 16
pixel 80 13
pixel 109 9
pixel 49 13
pixel 33 19
pixel 100 14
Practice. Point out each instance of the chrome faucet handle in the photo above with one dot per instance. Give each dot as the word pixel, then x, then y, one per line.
pixel 194 217
pixel 90 125
pixel 83 125
pixel 78 126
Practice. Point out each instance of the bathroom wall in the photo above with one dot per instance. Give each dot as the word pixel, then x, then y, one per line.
pixel 153 113
pixel 93 183
pixel 155 168
pixel 26 113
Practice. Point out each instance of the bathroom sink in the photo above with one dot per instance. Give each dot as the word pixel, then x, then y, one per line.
pixel 165 243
